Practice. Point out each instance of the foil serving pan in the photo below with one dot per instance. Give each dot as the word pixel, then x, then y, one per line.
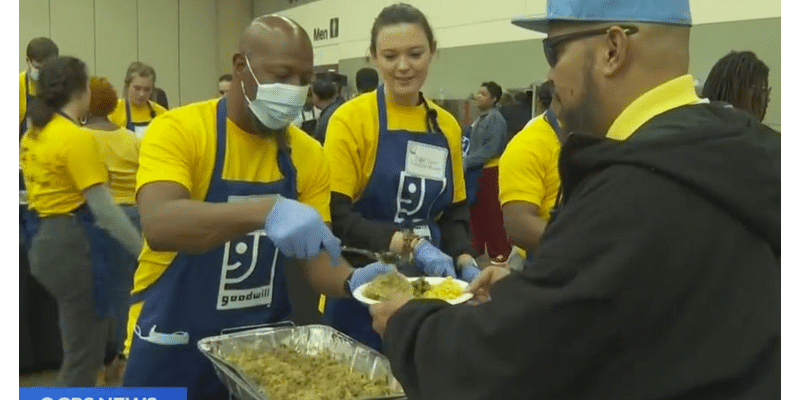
pixel 307 339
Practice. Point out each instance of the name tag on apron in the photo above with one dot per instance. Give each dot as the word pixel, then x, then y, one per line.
pixel 426 161
pixel 238 288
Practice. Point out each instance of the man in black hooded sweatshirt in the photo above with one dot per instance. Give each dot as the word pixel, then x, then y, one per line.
pixel 658 277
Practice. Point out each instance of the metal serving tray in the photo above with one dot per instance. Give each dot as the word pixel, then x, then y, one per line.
pixel 307 339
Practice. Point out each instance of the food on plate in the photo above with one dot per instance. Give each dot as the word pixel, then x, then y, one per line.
pixel 285 374
pixel 387 285
pixel 390 284
pixel 420 287
pixel 447 289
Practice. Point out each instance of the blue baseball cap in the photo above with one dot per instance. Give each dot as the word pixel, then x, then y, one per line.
pixel 668 12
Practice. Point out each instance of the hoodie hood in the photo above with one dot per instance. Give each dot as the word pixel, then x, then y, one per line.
pixel 720 152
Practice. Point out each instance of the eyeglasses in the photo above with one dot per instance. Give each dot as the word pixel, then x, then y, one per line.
pixel 550 44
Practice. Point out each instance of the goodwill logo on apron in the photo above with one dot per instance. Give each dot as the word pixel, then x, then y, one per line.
pixel 239 261
pixel 425 164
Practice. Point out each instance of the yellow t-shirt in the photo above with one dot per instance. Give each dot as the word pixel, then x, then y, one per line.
pixel 351 141
pixel 180 147
pixel 529 167
pixel 23 104
pixel 120 151
pixel 58 165
pixel 138 113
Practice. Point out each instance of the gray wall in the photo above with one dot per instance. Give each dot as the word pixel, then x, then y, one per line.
pixel 456 72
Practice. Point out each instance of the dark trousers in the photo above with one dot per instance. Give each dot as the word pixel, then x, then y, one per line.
pixel 486 219
pixel 61 261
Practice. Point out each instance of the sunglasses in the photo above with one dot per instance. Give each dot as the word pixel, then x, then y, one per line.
pixel 550 44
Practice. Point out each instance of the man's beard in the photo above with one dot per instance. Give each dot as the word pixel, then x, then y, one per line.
pixel 583 117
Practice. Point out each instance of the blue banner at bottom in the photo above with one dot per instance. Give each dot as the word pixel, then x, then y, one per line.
pixel 101 393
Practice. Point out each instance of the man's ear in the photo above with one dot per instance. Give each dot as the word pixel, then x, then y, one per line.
pixel 616 48
pixel 239 64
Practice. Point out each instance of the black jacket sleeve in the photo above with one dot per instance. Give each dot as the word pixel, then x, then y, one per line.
pixel 633 285
pixel 454 224
pixel 356 231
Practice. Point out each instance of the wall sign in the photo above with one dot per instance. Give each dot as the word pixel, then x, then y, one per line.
pixel 331 32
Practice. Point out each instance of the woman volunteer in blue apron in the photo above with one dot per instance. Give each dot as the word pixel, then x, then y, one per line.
pixel 228 190
pixel 398 172
pixel 135 110
pixel 66 177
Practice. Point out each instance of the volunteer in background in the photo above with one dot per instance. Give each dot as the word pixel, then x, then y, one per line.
pixel 135 110
pixel 366 80
pixel 398 172
pixel 659 277
pixel 38 52
pixel 487 139
pixel 529 179
pixel 228 190
pixel 66 177
pixel 119 149
pixel 323 97
pixel 225 84
pixel 742 80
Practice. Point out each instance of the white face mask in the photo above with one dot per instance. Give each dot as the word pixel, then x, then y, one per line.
pixel 34 73
pixel 276 104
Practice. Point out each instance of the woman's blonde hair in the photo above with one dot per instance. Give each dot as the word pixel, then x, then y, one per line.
pixel 138 68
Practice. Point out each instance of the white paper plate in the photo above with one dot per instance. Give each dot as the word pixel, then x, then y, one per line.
pixel 358 294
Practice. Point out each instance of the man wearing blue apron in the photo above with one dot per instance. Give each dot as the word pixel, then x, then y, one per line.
pixel 410 195
pixel 228 190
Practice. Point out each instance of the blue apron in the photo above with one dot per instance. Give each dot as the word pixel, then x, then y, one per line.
pixel 550 117
pixel 236 284
pixel 137 127
pixel 472 176
pixel 395 195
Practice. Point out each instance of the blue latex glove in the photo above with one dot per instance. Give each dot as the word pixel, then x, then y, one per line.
pixel 432 261
pixel 365 274
pixel 469 270
pixel 297 230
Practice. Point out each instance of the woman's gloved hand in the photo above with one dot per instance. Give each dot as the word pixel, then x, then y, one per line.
pixel 432 261
pixel 367 273
pixel 298 231
pixel 468 270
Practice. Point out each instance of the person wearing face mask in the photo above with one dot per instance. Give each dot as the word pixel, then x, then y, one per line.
pixel 398 183
pixel 227 191
pixel 135 110
pixel 38 52
pixel 659 275
pixel 67 188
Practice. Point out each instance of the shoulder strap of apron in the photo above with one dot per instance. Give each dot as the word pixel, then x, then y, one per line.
pixel 550 117
pixel 381 110
pixel 152 111
pixel 222 134
pixel 23 126
pixel 128 122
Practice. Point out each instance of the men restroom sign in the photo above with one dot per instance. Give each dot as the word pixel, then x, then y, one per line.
pixel 331 33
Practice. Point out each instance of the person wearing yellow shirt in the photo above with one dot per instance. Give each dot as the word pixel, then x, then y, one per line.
pixel 66 180
pixel 228 190
pixel 38 52
pixel 529 180
pixel 119 148
pixel 135 111
pixel 398 175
